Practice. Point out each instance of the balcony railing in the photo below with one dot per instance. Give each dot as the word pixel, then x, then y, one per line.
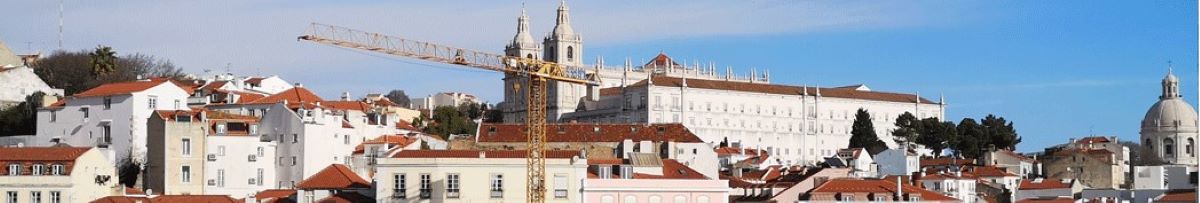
pixel 399 194
pixel 497 193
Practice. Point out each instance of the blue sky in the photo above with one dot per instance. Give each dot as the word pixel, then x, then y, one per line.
pixel 1057 69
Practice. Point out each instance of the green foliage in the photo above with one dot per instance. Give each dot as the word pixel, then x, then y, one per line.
pixel 908 128
pixel 399 97
pixel 103 61
pixel 862 134
pixel 471 110
pixel 936 135
pixel 74 71
pixel 22 118
pixel 447 121
pixel 976 137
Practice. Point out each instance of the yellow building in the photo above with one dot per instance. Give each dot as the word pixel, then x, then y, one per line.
pixel 56 174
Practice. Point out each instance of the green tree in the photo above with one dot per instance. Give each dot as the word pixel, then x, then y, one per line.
pixel 69 69
pixel 22 118
pixel 103 61
pixel 970 136
pixel 447 121
pixel 1000 132
pixel 862 134
pixel 908 128
pixel 471 109
pixel 399 97
pixel 936 135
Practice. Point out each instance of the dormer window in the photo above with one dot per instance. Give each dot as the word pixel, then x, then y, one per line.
pixel 57 169
pixel 37 170
pixel 107 102
pixel 14 169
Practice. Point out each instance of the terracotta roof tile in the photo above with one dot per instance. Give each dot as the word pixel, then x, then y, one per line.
pixel 294 98
pixel 274 194
pixel 726 151
pixel 946 162
pixel 661 60
pixel 550 154
pixel 348 105
pixel 213 86
pixel 45 156
pixel 405 125
pixel 1048 183
pixel 1177 196
pixel 133 191
pixel 254 80
pixel 119 88
pixel 346 197
pixel 394 140
pixel 221 115
pixel 1090 140
pixel 121 199
pixel 334 176
pixel 661 80
pixel 194 198
pixel 989 171
pixel 580 132
pixel 843 185
pixel 172 115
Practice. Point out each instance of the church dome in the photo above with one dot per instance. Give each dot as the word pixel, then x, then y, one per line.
pixel 1170 112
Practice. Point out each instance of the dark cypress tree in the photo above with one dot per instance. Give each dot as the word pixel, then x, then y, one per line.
pixel 862 134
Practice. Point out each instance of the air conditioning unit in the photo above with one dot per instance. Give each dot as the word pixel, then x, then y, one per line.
pixel 252 158
pixel 252 181
pixel 212 182
pixel 212 157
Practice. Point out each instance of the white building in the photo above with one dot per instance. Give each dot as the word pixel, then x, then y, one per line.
pixel 111 115
pixel 1169 177
pixel 797 124
pixel 954 184
pixel 647 178
pixel 1040 188
pixel 898 161
pixel 18 80
pixel 312 133
pixel 56 174
pixel 1169 128
pixel 451 99
pixel 238 162
pixel 856 159
pixel 266 85
pixel 475 176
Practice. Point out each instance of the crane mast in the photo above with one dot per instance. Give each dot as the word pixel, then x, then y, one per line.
pixel 538 72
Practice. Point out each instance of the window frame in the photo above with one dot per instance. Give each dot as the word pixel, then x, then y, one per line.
pixel 453 185
pixel 426 186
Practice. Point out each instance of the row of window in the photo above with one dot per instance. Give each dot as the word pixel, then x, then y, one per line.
pixel 14 169
pixel 220 180
pixel 34 197
pixel 453 189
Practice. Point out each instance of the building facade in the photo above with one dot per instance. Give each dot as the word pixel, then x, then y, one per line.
pixel 650 179
pixel 176 152
pixel 237 161
pixel 112 115
pixel 475 176
pixel 56 174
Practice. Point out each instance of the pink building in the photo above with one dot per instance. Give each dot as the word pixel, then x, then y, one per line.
pixel 647 178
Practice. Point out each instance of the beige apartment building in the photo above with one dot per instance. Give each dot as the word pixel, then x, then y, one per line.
pixel 474 176
pixel 175 153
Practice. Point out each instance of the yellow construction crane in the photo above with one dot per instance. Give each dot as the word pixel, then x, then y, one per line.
pixel 538 73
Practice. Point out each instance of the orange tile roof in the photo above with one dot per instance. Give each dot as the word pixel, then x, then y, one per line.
pixel 394 140
pixel 671 169
pixel 194 198
pixel 29 156
pixel 660 60
pixel 334 176
pixel 661 80
pixel 989 171
pixel 346 197
pixel 1090 140
pixel 274 194
pixel 133 191
pixel 119 88
pixel 294 98
pixel 121 199
pixel 221 115
pixel 384 101
pixel 948 176
pixel 550 154
pixel 405 125
pixel 213 86
pixel 348 105
pixel 254 80
pixel 581 132
pixel 844 185
pixel 1177 196
pixel 726 151
pixel 1048 183
pixel 770 174
pixel 172 115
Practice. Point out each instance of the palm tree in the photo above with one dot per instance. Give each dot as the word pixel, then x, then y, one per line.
pixel 103 60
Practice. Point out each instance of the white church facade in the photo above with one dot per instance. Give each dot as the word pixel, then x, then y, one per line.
pixel 796 124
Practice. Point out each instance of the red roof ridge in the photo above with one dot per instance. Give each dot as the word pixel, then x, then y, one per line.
pixel 335 176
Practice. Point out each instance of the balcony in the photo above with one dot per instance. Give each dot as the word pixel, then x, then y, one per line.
pixel 426 193
pixel 497 193
pixel 399 194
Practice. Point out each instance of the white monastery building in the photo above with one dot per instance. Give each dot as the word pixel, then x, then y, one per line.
pixel 797 124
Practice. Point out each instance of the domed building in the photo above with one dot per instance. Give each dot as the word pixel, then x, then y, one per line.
pixel 1169 128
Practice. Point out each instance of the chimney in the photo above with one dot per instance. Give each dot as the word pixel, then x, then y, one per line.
pixel 898 190
pixel 593 92
pixel 482 154
pixel 299 85
pixel 604 171
pixel 345 96
pixel 626 172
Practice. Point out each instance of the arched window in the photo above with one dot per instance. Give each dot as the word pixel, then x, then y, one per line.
pixel 680 199
pixel 655 199
pixel 607 199
pixel 1168 148
pixel 702 199
pixel 630 199
pixel 529 56
pixel 570 53
pixel 1149 144
pixel 1191 147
